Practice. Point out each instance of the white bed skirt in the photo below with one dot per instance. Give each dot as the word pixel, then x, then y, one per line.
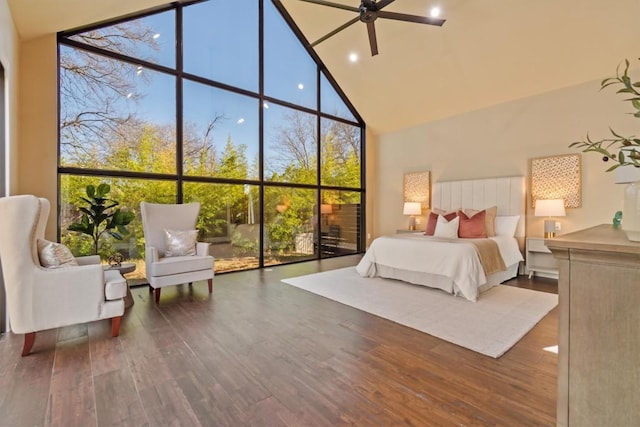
pixel 443 282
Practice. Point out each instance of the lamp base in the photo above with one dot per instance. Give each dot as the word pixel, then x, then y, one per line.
pixel 549 229
pixel 412 223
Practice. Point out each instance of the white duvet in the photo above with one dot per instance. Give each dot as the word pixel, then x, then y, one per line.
pixel 419 253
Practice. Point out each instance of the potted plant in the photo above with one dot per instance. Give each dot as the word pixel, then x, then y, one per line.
pixel 101 216
pixel 622 150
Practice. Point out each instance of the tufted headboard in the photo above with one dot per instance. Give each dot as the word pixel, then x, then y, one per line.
pixel 507 193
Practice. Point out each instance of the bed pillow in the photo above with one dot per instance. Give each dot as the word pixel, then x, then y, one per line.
pixel 54 255
pixel 433 220
pixel 506 225
pixel 489 219
pixel 180 242
pixel 472 227
pixel 447 229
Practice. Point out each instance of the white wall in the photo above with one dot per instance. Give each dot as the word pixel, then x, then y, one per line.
pixel 499 141
pixel 9 59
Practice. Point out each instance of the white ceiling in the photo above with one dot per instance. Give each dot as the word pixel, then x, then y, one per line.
pixel 488 52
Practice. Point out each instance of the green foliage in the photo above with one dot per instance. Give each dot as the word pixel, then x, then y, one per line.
pixel 622 150
pixel 101 216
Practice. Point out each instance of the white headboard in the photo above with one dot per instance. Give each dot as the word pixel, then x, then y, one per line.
pixel 508 194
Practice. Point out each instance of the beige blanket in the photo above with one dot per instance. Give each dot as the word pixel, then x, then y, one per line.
pixel 487 250
pixel 489 255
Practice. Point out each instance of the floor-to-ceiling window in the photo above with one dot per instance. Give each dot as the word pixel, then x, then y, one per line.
pixel 217 102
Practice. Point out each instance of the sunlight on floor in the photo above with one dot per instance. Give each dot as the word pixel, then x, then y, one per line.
pixel 551 349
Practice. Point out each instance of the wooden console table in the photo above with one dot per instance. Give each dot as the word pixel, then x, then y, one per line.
pixel 599 328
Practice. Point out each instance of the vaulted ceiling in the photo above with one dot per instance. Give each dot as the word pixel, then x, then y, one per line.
pixel 488 52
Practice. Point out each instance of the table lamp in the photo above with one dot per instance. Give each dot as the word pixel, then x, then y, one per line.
pixel 549 208
pixel 412 208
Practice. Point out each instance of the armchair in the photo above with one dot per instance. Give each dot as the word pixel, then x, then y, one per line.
pixel 40 298
pixel 167 271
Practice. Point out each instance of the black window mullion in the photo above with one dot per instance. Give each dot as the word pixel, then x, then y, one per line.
pixel 261 129
pixel 179 107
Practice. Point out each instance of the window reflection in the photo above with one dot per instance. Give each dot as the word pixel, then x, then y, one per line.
pixel 331 102
pixel 340 154
pixel 115 115
pixel 287 65
pixel 221 42
pixel 229 216
pixel 220 136
pixel 291 142
pixel 291 222
pixel 340 213
pixel 151 38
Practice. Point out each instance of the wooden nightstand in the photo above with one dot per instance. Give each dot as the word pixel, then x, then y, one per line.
pixel 540 259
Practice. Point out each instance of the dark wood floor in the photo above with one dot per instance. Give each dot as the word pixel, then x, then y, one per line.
pixel 261 353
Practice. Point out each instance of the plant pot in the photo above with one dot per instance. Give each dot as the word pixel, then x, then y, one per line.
pixel 631 211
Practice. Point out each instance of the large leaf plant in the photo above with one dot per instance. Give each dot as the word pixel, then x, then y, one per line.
pixel 101 216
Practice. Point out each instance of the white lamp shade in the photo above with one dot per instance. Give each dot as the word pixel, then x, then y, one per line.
pixel 412 208
pixel 326 209
pixel 627 174
pixel 549 207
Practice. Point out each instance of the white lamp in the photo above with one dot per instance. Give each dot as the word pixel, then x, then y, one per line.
pixel 549 208
pixel 412 208
pixel 631 208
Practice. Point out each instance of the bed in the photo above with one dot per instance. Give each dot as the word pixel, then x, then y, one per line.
pixel 454 265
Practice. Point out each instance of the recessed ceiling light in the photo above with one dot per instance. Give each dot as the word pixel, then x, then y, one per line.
pixel 156 35
pixel 353 57
pixel 435 12
pixel 240 121
pixel 265 105
pixel 139 70
pixel 129 95
pixel 300 86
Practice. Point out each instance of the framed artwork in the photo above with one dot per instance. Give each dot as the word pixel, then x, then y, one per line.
pixel 556 177
pixel 417 188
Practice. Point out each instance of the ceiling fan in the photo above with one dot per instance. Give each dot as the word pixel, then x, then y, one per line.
pixel 368 12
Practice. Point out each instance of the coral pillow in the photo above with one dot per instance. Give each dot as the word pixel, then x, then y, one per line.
pixel 472 228
pixel 489 219
pixel 433 220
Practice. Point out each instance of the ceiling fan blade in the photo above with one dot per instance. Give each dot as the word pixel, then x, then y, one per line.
pixel 330 4
pixel 411 18
pixel 383 3
pixel 373 41
pixel 336 31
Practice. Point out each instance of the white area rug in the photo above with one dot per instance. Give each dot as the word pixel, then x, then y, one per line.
pixel 491 326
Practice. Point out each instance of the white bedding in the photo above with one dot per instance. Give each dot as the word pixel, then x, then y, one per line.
pixel 416 252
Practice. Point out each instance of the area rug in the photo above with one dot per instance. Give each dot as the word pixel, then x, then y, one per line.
pixel 491 326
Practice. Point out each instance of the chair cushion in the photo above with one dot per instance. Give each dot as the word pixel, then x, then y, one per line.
pixel 54 255
pixel 115 286
pixel 180 242
pixel 180 264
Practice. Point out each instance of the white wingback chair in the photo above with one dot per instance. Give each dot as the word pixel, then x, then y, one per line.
pixel 167 271
pixel 40 298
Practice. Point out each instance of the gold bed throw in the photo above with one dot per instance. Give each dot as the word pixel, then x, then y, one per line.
pixel 489 255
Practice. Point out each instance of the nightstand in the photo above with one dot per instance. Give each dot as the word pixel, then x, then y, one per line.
pixel 540 259
pixel 406 231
